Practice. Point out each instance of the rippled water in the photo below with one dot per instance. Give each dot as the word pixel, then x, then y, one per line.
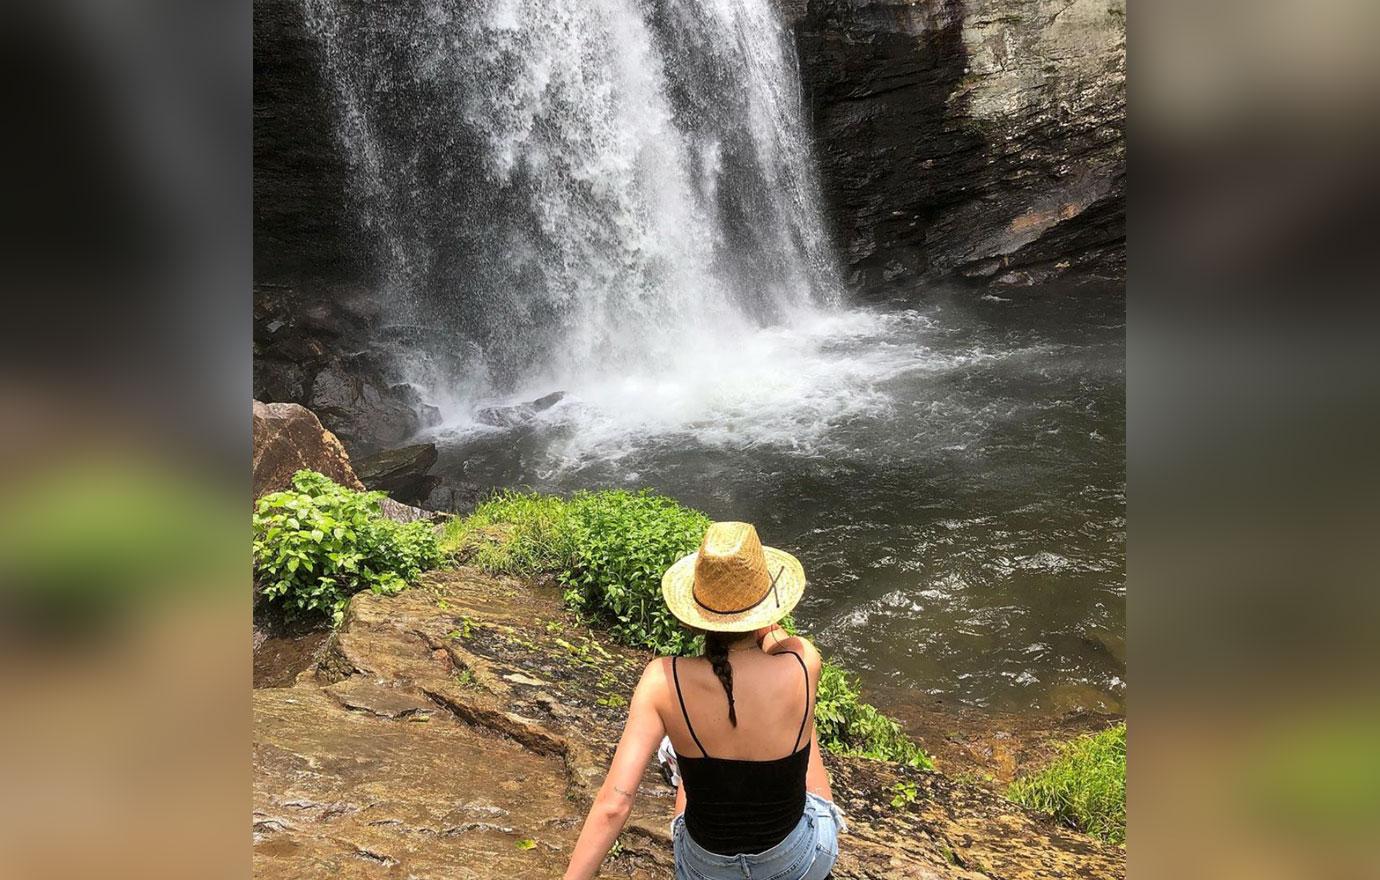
pixel 951 475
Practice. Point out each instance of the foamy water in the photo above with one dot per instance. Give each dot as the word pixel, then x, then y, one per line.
pixel 789 387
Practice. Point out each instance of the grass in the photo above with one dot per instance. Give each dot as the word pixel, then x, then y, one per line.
pixel 1084 786
pixel 608 550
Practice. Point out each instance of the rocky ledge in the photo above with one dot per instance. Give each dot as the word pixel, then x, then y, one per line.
pixel 460 729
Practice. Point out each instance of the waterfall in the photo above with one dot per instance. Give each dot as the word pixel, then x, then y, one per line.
pixel 554 187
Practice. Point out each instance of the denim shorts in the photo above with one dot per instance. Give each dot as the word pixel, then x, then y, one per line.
pixel 807 853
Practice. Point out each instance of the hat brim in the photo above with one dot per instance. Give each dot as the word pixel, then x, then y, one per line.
pixel 678 589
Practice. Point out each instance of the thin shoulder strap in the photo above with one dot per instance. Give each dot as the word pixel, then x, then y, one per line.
pixel 679 696
pixel 806 716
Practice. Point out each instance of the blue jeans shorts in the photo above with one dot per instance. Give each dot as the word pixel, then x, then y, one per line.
pixel 807 853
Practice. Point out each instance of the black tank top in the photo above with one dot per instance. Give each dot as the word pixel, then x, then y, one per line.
pixel 736 806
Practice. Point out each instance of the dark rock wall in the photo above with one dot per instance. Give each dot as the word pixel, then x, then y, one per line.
pixel 981 140
pixel 302 226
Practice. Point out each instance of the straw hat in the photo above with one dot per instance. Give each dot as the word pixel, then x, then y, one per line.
pixel 733 583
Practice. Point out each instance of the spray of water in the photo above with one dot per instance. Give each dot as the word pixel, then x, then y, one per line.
pixel 612 198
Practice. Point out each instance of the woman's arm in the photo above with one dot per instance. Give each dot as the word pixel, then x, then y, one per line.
pixel 613 804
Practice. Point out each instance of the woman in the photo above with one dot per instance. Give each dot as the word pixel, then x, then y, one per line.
pixel 754 798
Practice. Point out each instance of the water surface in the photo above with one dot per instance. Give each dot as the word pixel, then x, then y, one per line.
pixel 950 474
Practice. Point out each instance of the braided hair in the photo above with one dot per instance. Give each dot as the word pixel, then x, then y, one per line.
pixel 716 652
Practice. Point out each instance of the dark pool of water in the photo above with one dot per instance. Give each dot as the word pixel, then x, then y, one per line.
pixel 952 479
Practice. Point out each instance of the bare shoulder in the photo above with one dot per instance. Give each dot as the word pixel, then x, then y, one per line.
pixel 796 644
pixel 655 676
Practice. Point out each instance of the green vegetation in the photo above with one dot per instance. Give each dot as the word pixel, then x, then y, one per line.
pixel 319 543
pixel 1085 786
pixel 903 793
pixel 608 550
pixel 849 726
pixel 514 533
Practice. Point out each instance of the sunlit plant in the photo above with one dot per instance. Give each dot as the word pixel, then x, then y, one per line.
pixel 319 543
pixel 1084 787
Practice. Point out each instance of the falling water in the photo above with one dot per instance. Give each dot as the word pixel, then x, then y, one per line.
pixel 557 188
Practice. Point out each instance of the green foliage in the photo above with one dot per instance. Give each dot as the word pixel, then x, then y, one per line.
pixel 1085 786
pixel 609 549
pixel 319 543
pixel 623 543
pixel 903 793
pixel 849 726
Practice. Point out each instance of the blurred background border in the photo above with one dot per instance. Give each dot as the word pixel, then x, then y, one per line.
pixel 1252 470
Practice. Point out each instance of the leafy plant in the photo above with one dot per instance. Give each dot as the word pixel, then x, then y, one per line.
pixel 319 543
pixel 608 549
pixel 903 793
pixel 623 542
pixel 849 726
pixel 465 630
pixel 1084 787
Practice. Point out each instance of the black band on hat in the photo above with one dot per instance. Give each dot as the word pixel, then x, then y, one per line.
pixel 771 591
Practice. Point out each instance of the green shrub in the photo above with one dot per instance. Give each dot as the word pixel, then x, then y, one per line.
pixel 1085 786
pixel 319 543
pixel 623 543
pixel 849 726
pixel 609 549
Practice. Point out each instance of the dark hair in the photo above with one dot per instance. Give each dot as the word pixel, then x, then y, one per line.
pixel 716 651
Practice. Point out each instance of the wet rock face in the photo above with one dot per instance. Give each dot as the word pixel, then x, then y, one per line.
pixel 301 180
pixel 519 414
pixel 402 473
pixel 319 346
pixel 979 140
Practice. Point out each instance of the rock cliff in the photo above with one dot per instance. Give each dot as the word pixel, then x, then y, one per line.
pixel 460 729
pixel 969 139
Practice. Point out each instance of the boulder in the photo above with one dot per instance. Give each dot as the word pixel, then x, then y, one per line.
pixel 519 413
pixel 321 345
pixel 406 513
pixel 402 473
pixel 458 498
pixel 289 437
pixel 361 407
